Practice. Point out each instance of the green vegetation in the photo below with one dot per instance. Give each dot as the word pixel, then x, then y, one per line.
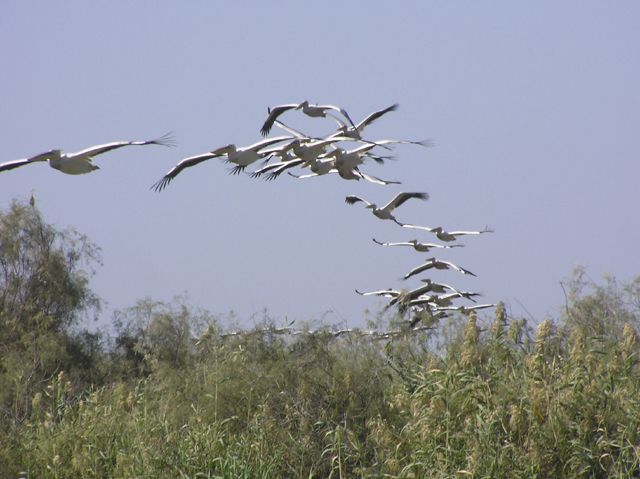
pixel 169 396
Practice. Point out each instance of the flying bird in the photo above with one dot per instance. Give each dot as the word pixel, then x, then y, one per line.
pixel 80 162
pixel 307 108
pixel 387 293
pixel 444 235
pixel 437 264
pixel 385 213
pixel 420 247
pixel 242 157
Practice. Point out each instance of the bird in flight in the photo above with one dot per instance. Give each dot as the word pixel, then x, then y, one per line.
pixel 307 108
pixel 386 212
pixel 444 235
pixel 437 264
pixel 80 162
pixel 418 246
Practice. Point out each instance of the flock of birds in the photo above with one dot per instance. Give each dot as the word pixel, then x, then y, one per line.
pixel 319 156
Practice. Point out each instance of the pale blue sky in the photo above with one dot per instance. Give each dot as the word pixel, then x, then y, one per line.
pixel 533 108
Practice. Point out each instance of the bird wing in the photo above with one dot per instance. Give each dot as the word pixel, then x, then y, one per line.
pixel 425 228
pixel 267 142
pixel 10 165
pixel 451 265
pixel 165 140
pixel 383 292
pixel 342 111
pixel 274 113
pixel 375 115
pixel 292 131
pixel 354 199
pixel 376 180
pixel 430 263
pixel 460 233
pixel 402 197
pixel 391 244
pixel 426 143
pixel 280 164
pixel 186 163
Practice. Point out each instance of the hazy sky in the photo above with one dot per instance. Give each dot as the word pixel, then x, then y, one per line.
pixel 533 108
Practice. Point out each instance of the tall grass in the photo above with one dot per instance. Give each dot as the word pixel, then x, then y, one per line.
pixel 496 400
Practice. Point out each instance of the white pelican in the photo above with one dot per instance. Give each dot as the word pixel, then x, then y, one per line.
pixel 437 264
pixel 387 293
pixel 307 108
pixel 444 235
pixel 80 162
pixel 242 157
pixel 385 213
pixel 420 247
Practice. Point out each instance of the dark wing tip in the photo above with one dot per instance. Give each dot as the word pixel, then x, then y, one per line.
pixel 266 128
pixel 161 184
pixel 351 200
pixel 165 140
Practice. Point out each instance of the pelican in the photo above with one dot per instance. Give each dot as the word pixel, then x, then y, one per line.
pixel 307 108
pixel 81 162
pixel 437 264
pixel 242 157
pixel 385 213
pixel 420 247
pixel 387 293
pixel 444 235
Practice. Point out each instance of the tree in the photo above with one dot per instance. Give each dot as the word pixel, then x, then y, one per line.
pixel 44 291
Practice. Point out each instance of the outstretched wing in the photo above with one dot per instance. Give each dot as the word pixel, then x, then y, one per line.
pixel 10 165
pixel 354 199
pixel 164 140
pixel 374 116
pixel 274 113
pixel 342 111
pixel 400 198
pixel 175 171
pixel 419 269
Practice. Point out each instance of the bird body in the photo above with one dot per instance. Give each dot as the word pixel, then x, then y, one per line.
pixel 80 162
